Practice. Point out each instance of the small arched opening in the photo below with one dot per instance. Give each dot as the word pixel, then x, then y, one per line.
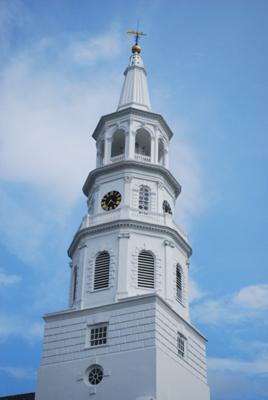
pixel 143 145
pixel 118 144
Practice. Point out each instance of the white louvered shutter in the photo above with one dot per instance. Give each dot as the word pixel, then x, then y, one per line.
pixel 179 283
pixel 102 270
pixel 146 269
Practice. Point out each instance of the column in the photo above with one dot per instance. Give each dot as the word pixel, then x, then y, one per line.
pixel 107 150
pixel 82 269
pixel 153 149
pixel 166 158
pixel 123 267
pixel 127 150
pixel 169 273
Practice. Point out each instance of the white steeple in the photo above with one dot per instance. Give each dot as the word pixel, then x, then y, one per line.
pixel 128 297
pixel 135 88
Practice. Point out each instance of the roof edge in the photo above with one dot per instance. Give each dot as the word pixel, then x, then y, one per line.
pixel 131 111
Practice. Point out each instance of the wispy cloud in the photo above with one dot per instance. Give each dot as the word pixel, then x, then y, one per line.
pixel 8 279
pixel 19 372
pixel 46 150
pixel 253 297
pixel 195 292
pixel 248 302
pixel 255 367
pixel 232 378
pixel 16 325
pixel 89 51
pixel 187 168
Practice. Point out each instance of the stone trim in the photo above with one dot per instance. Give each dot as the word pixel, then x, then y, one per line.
pixel 127 223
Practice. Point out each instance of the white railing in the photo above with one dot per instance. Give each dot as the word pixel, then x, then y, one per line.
pixel 142 157
pixel 118 158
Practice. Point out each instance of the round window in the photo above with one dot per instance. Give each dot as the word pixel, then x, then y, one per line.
pixel 95 374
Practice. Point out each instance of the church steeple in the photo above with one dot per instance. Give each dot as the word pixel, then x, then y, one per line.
pixel 135 91
pixel 128 298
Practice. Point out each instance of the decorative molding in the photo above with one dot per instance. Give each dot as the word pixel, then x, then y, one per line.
pixel 82 245
pixel 128 179
pixel 169 243
pixel 131 224
pixel 131 164
pixel 160 185
pixel 132 111
pixel 124 236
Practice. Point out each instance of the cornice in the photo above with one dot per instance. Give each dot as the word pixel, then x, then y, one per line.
pixel 132 111
pixel 118 166
pixel 149 298
pixel 130 224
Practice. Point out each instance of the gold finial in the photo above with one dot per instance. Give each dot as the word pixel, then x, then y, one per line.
pixel 136 48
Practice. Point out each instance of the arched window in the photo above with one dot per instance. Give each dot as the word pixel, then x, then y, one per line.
pixel 143 143
pixel 102 270
pixel 161 152
pixel 179 283
pixel 74 285
pixel 146 269
pixel 118 144
pixel 144 198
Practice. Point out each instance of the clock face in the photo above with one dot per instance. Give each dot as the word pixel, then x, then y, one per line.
pixel 111 200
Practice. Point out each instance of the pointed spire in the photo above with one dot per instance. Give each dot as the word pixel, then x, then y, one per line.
pixel 135 88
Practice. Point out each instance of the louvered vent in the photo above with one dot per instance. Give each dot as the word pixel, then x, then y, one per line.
pixel 74 284
pixel 179 283
pixel 146 269
pixel 102 267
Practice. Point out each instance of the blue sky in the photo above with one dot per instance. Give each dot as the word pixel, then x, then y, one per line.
pixel 61 66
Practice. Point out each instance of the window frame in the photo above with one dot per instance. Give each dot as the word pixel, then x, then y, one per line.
pixel 102 338
pixel 141 270
pixel 179 281
pixel 144 191
pixel 181 345
pixel 74 284
pixel 95 280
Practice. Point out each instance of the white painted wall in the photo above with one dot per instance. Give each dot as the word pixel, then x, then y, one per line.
pixel 135 359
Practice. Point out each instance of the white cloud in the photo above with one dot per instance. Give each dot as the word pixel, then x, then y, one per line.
pixel 195 293
pixel 93 49
pixel 47 118
pixel 249 302
pixel 255 367
pixel 187 168
pixel 230 385
pixel 16 325
pixel 47 143
pixel 8 279
pixel 19 373
pixel 253 297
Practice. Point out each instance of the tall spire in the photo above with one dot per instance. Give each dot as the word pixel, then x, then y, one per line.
pixel 135 88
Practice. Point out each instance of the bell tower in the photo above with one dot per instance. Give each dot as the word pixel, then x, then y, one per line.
pixel 127 332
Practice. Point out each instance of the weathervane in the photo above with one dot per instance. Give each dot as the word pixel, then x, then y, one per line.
pixel 136 48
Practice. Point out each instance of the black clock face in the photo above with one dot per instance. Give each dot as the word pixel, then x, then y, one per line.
pixel 111 200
